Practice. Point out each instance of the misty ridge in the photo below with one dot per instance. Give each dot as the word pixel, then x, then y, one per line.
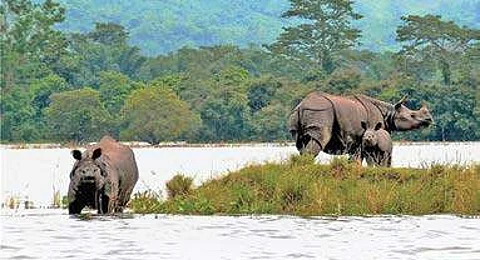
pixel 159 27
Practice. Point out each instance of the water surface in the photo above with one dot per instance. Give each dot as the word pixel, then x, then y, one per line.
pixel 51 234
pixel 35 174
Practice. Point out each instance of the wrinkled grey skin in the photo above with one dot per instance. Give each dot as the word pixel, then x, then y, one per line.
pixel 102 178
pixel 332 124
pixel 377 146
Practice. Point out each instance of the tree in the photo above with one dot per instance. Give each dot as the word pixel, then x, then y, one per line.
pixel 342 81
pixel 428 37
pixel 269 124
pixel 225 113
pixel 78 116
pixel 17 116
pixel 109 34
pixel 156 114
pixel 261 92
pixel 29 43
pixel 42 89
pixel 40 92
pixel 114 89
pixel 326 32
pixel 103 49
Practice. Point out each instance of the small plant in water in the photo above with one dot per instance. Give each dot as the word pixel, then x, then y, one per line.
pixel 85 216
pixel 145 202
pixel 179 185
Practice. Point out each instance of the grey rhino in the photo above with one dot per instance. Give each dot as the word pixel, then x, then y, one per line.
pixel 332 124
pixel 103 177
pixel 377 146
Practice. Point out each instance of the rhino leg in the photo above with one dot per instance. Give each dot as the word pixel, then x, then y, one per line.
pixel 370 158
pixel 389 160
pixel 317 131
pixel 311 146
pixel 386 160
pixel 75 207
pixel 102 201
pixel 314 145
pixel 111 205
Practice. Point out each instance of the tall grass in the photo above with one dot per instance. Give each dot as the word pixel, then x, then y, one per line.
pixel 300 187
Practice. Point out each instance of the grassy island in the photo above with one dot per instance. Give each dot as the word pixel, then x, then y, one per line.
pixel 300 187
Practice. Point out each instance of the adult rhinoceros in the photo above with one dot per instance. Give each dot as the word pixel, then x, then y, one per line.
pixel 332 124
pixel 102 177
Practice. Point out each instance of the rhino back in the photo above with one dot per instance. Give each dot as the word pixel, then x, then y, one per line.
pixel 121 165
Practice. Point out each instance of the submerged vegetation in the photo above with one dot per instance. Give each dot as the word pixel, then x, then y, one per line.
pixel 301 187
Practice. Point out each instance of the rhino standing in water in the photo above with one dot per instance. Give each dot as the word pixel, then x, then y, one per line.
pixel 377 146
pixel 332 124
pixel 102 177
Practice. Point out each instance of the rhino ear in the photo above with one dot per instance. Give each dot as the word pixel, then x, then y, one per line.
pixel 77 155
pixel 398 106
pixel 378 126
pixel 364 125
pixel 97 153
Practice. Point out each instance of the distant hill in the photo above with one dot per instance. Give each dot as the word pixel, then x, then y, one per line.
pixel 161 26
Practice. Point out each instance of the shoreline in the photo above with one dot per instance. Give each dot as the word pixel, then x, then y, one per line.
pixel 132 144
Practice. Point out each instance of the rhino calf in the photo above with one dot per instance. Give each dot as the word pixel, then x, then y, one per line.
pixel 103 177
pixel 376 146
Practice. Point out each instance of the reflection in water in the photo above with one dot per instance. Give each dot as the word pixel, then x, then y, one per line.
pixel 51 234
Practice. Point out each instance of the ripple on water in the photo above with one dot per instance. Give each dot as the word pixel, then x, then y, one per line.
pixel 299 255
pixel 59 236
pixel 22 257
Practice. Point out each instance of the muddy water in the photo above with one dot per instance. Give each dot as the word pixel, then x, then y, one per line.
pixel 51 234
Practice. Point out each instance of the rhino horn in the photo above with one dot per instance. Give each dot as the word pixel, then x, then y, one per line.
pixel 403 100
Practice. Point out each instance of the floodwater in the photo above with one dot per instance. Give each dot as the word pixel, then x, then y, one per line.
pixel 51 234
pixel 35 174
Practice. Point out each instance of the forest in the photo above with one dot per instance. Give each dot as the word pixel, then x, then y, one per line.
pixel 66 86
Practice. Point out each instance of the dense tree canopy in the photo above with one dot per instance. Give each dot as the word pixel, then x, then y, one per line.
pixel 77 115
pixel 430 38
pixel 156 114
pixel 161 27
pixel 75 87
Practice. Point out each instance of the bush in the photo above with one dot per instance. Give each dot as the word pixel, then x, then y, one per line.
pixel 179 185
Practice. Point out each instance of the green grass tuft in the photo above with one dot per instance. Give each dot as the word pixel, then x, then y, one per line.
pixel 179 185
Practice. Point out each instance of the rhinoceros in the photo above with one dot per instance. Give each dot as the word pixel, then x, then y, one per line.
pixel 377 145
pixel 332 124
pixel 103 177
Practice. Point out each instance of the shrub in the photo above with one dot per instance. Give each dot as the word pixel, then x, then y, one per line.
pixel 179 185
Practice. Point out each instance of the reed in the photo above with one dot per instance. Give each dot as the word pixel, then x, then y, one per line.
pixel 300 187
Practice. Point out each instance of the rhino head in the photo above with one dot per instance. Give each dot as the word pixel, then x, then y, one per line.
pixel 405 119
pixel 370 138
